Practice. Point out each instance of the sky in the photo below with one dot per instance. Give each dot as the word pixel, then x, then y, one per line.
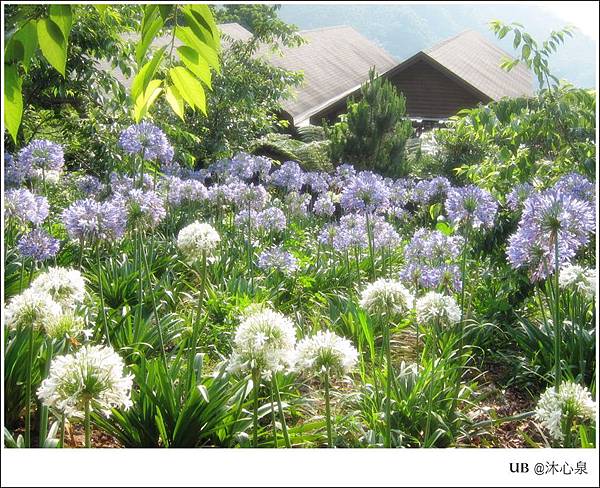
pixel 584 15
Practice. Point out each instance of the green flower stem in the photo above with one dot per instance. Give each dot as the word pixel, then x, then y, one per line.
pixel 88 430
pixel 155 308
pixel 371 249
pixel 274 423
pixel 62 430
pixel 430 386
pixel 286 437
pixel 327 410
pixel 101 293
pixel 567 430
pixel 28 388
pixel 557 320
pixel 464 279
pixel 255 386
pixel 388 388
pixel 138 265
pixel 44 408
pixel 196 324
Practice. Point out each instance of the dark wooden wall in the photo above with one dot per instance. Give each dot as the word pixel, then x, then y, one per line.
pixel 429 94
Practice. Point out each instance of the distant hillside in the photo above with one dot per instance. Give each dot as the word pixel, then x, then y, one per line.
pixel 404 30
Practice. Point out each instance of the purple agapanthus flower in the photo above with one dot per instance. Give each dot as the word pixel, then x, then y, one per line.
pixel 89 185
pixel 271 219
pixel 548 219
pixel 120 183
pixel 577 186
pixel 351 233
pixel 426 191
pixel 41 154
pixel 251 196
pixel 25 206
pixel 471 205
pixel 245 217
pixel 14 173
pixel 342 174
pixel 38 245
pixel 518 195
pixel 317 181
pixel 384 235
pixel 147 140
pixel 181 191
pixel 276 258
pixel 144 208
pixel 289 176
pixel 89 219
pixel 366 192
pixel 324 206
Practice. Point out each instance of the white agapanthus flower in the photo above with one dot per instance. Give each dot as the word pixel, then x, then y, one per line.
pixel 65 285
pixel 325 351
pixel 95 373
pixel 578 278
pixel 196 238
pixel 67 324
pixel 32 308
pixel 386 297
pixel 552 407
pixel 264 340
pixel 433 307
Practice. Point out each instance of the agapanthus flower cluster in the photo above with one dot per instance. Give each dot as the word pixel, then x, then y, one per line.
pixel 342 175
pixel 93 373
pixel 386 298
pixel 317 182
pixel 242 166
pixel 182 191
pixel 43 155
pixel 67 324
pixel 426 191
pixel 196 239
pixel 577 186
pixel 144 208
pixel 264 341
pixel 351 233
pixel 32 308
pixel 297 204
pixel 251 196
pixel 121 184
pixel 225 194
pixel 325 352
pixel 429 260
pixel 518 195
pixel 384 235
pixel 25 206
pixel 324 206
pixel 38 245
pixel 276 258
pixel 271 219
pixel 289 176
pixel 89 185
pixel 548 218
pixel 554 408
pixel 575 277
pixel 14 172
pixel 88 219
pixel 471 205
pixel 245 217
pixel 147 140
pixel 366 192
pixel 435 308
pixel 66 286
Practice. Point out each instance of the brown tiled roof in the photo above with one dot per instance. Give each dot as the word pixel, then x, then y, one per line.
pixel 476 60
pixel 334 60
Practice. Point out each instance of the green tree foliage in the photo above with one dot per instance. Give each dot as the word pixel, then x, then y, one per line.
pixel 245 101
pixel 47 30
pixel 373 133
pixel 526 139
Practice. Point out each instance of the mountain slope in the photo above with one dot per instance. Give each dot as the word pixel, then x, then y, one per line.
pixel 405 29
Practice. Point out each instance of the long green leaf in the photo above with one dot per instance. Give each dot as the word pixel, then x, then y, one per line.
pixel 27 37
pixel 187 36
pixel 146 74
pixel 13 100
pixel 52 44
pixel 62 16
pixel 189 87
pixel 195 64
